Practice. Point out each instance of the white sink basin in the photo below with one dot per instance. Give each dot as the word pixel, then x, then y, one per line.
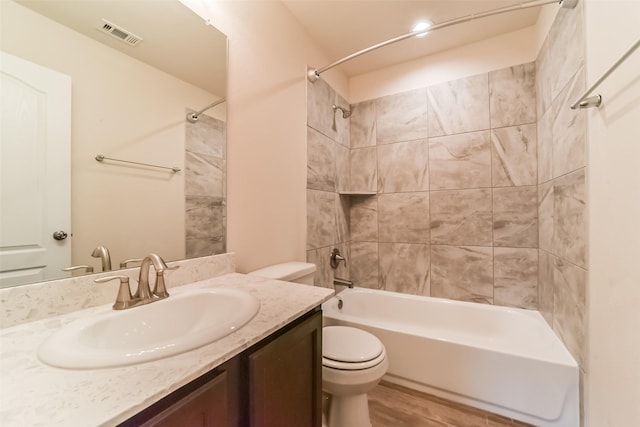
pixel 180 323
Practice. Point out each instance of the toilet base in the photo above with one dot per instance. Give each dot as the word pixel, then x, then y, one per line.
pixel 349 411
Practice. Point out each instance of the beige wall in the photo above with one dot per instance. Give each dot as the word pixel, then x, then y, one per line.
pixel 613 381
pixel 517 47
pixel 268 56
pixel 129 210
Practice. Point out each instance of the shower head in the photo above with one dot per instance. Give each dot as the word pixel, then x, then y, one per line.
pixel 345 113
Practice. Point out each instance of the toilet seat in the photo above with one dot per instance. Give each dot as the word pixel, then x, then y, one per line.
pixel 347 348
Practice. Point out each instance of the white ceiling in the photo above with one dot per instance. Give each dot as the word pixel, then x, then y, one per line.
pixel 342 27
pixel 175 39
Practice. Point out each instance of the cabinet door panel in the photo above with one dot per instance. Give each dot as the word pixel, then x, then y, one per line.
pixel 285 378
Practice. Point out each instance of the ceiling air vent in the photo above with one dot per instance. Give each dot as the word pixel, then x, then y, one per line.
pixel 119 33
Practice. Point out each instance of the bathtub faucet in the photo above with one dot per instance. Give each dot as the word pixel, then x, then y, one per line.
pixel 342 282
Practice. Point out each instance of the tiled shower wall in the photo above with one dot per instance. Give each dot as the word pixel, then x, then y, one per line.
pixel 205 187
pixel 562 176
pixel 327 175
pixel 454 167
pixel 453 172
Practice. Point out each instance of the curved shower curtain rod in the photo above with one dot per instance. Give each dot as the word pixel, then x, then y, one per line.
pixel 193 117
pixel 314 74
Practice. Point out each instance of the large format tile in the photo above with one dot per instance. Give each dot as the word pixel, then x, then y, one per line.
pixel 545 145
pixel 516 277
pixel 364 264
pixel 460 161
pixel 562 54
pixel 363 219
pixel 545 285
pixel 461 217
pixel 207 136
pixel 401 117
pixel 512 95
pixel 404 268
pixel 462 273
pixel 569 129
pixel 459 106
pixel 515 217
pixel 569 217
pixel 324 273
pixel 363 124
pixel 403 166
pixel 545 216
pixel 321 219
pixel 320 114
pixel 343 168
pixel 514 156
pixel 363 170
pixel 204 217
pixel 403 217
pixel 204 175
pixel 569 307
pixel 321 161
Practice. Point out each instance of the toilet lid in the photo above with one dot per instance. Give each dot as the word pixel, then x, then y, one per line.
pixel 344 344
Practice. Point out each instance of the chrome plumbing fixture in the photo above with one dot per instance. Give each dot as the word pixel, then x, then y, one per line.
pixel 144 294
pixel 335 259
pixel 193 117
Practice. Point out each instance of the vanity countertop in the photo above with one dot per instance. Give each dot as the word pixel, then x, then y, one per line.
pixel 35 394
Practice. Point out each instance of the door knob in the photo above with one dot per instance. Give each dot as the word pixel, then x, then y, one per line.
pixel 60 235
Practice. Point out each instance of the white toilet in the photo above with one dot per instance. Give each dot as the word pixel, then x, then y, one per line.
pixel 353 360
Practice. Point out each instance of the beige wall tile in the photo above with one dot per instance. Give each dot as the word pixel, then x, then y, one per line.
pixel 404 268
pixel 545 285
pixel 401 117
pixel 320 115
pixel 403 217
pixel 462 273
pixel 363 169
pixel 325 274
pixel 446 117
pixel 514 156
pixel 321 219
pixel 403 166
pixel 545 146
pixel 545 216
pixel 569 129
pixel 569 217
pixel 569 307
pixel 342 168
pixel 363 124
pixel 321 161
pixel 515 217
pixel 512 95
pixel 516 277
pixel 364 264
pixel 461 217
pixel 363 219
pixel 460 161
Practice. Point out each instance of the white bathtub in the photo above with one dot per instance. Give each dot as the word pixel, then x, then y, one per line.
pixel 504 360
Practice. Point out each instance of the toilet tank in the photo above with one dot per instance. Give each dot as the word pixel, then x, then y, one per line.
pixel 294 271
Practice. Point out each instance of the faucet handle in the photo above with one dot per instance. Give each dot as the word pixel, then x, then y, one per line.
pixel 160 289
pixel 123 300
pixel 87 268
pixel 124 263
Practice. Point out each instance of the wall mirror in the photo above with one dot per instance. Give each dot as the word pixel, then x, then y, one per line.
pixel 133 72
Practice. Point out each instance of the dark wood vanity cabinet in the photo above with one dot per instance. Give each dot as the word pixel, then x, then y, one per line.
pixel 275 383
pixel 285 378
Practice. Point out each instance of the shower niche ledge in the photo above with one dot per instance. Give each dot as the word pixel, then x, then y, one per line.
pixel 357 193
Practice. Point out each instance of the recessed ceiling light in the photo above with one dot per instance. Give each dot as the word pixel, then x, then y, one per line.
pixel 420 26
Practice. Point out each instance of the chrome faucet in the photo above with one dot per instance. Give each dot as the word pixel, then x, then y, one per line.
pixel 103 253
pixel 144 294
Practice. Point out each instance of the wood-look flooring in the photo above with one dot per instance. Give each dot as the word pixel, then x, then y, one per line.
pixel 391 405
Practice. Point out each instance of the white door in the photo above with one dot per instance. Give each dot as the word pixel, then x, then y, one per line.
pixel 35 140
